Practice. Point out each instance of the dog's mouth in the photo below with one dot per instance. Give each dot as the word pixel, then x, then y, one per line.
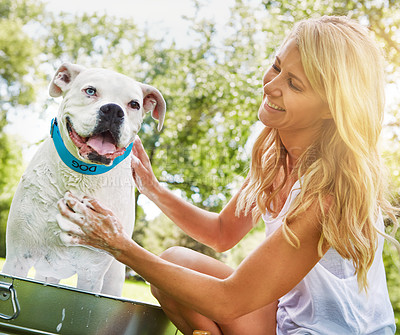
pixel 98 148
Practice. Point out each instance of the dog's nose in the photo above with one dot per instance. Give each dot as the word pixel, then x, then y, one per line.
pixel 112 111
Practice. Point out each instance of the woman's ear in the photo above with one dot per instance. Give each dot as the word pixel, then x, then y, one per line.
pixel 326 111
pixel 326 115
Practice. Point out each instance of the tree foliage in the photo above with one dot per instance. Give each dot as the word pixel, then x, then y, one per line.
pixel 18 57
pixel 10 172
pixel 382 17
pixel 18 54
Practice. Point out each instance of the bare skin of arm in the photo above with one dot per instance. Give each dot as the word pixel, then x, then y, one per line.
pixel 221 231
pixel 275 267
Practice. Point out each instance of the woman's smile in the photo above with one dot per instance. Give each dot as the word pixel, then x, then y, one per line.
pixel 270 104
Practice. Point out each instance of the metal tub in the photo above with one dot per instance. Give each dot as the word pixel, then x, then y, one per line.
pixel 31 307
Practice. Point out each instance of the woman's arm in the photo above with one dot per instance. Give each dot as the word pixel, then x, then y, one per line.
pixel 272 270
pixel 219 231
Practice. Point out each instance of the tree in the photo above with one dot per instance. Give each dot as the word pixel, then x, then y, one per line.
pixel 10 172
pixel 17 69
pixel 213 94
pixel 17 56
pixel 380 16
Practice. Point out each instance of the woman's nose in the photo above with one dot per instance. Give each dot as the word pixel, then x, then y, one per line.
pixel 273 87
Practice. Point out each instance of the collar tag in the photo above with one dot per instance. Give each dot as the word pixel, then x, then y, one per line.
pixel 77 165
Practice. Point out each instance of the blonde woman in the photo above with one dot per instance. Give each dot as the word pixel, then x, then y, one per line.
pixel 315 179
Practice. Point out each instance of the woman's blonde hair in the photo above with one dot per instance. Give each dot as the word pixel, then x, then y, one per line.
pixel 345 67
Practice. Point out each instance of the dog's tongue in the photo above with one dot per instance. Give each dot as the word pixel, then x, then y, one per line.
pixel 103 143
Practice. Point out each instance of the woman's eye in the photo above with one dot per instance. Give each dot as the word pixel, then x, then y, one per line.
pixel 91 91
pixel 277 69
pixel 293 86
pixel 134 104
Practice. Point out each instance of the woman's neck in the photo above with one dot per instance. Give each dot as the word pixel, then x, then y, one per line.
pixel 296 143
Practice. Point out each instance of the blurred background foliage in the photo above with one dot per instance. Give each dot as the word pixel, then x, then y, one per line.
pixel 212 88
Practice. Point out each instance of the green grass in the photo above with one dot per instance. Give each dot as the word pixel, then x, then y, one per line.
pixel 134 290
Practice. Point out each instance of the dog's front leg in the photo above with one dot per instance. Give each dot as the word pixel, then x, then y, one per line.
pixel 114 279
pixel 88 282
pixel 15 266
pixel 49 280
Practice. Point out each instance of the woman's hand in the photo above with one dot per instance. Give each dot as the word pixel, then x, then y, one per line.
pixel 142 172
pixel 86 222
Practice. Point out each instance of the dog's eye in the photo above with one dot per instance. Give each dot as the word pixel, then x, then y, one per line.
pixel 90 91
pixel 134 104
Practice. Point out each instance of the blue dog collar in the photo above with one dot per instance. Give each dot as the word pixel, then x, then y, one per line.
pixel 75 164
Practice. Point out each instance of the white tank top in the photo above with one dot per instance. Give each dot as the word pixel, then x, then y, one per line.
pixel 328 301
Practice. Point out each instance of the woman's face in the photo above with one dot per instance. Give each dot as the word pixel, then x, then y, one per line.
pixel 289 102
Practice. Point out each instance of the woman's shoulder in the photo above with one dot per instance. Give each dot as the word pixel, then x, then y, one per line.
pixel 273 222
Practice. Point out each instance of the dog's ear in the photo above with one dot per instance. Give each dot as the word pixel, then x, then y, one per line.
pixel 154 102
pixel 63 78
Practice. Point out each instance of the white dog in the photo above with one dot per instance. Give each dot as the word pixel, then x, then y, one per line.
pixel 97 122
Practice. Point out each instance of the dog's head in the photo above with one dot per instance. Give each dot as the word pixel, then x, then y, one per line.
pixel 102 111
